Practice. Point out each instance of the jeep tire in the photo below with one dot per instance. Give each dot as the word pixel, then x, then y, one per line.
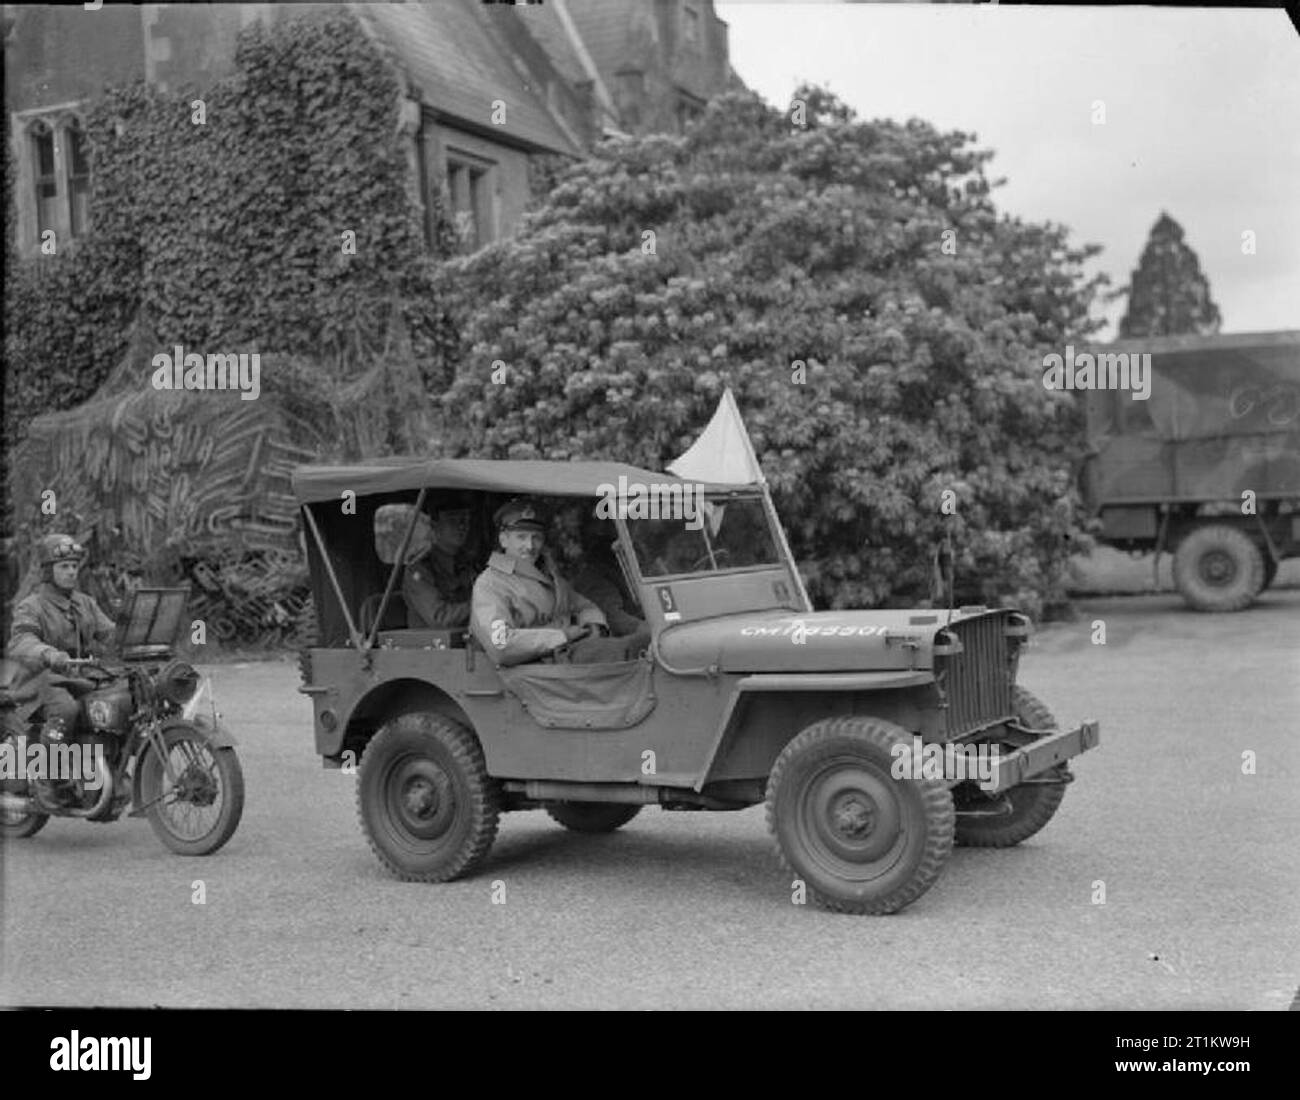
pixel 593 817
pixel 1032 804
pixel 426 802
pixel 859 839
pixel 1218 568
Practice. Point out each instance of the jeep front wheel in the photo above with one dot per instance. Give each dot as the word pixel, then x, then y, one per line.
pixel 425 800
pixel 861 840
pixel 592 817
pixel 1218 568
pixel 987 822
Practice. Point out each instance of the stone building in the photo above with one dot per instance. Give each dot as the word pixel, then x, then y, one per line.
pixel 486 87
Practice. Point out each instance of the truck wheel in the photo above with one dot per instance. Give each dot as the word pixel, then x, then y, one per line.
pixel 1032 804
pixel 426 802
pixel 861 840
pixel 1218 568
pixel 592 817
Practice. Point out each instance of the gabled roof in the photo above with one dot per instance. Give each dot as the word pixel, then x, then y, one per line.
pixel 527 478
pixel 459 71
pixel 605 26
pixel 544 25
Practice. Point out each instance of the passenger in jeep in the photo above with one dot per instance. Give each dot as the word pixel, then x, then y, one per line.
pixel 523 610
pixel 436 588
pixel 600 579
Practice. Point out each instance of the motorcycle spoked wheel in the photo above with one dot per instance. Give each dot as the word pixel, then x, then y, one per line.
pixel 15 823
pixel 198 813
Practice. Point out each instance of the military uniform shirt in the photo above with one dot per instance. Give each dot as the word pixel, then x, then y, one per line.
pixel 436 591
pixel 520 611
pixel 50 621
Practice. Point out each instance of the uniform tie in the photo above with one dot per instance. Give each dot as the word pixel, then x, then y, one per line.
pixel 76 628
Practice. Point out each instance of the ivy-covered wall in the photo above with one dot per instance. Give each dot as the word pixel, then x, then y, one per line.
pixel 269 212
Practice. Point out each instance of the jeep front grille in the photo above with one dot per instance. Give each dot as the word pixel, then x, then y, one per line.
pixel 977 681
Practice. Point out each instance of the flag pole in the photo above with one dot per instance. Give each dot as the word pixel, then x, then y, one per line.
pixel 729 398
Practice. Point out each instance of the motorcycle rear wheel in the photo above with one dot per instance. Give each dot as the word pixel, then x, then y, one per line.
pixel 198 813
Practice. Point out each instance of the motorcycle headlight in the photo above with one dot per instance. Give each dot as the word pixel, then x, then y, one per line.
pixel 177 682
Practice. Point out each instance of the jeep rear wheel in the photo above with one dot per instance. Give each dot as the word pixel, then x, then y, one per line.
pixel 1032 804
pixel 861 840
pixel 426 802
pixel 592 817
pixel 1218 568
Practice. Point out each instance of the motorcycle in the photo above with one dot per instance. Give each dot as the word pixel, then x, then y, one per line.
pixel 139 742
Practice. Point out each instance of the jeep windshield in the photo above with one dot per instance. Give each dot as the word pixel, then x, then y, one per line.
pixel 726 533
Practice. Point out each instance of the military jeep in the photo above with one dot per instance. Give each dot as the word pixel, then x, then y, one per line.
pixel 745 694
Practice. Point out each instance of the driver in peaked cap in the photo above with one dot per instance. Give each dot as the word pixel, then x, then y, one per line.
pixel 523 610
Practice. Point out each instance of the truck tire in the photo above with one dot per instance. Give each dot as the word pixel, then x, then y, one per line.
pixel 592 817
pixel 860 840
pixel 1032 804
pixel 426 803
pixel 1218 568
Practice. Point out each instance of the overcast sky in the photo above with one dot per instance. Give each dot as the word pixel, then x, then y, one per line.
pixel 1202 114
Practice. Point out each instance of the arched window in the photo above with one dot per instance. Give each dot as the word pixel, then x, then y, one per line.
pixel 55 168
pixel 78 169
pixel 46 177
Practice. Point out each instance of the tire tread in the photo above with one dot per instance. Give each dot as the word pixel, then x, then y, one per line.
pixel 935 797
pixel 485 794
pixel 978 832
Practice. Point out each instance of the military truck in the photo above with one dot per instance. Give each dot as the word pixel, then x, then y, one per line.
pixel 1207 467
pixel 833 719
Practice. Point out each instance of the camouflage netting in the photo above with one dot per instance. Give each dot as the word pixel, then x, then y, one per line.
pixel 172 487
pixel 164 487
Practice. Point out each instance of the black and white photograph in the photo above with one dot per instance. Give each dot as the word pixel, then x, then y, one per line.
pixel 652 505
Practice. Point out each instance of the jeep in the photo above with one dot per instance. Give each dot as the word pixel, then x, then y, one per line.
pixel 744 695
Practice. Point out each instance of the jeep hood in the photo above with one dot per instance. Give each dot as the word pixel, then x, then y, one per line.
pixel 819 641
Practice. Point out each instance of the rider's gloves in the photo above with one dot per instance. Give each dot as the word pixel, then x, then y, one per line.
pixel 57 660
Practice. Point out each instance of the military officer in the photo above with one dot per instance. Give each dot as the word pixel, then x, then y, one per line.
pixel 436 587
pixel 523 610
pixel 55 624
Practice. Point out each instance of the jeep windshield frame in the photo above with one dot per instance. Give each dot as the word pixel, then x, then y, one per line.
pixel 661 545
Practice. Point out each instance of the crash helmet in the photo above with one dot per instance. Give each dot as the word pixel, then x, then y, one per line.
pixel 53 549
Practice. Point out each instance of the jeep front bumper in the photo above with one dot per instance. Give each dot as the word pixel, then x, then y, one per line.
pixel 1042 755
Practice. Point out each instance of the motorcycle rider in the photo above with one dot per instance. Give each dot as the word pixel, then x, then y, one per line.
pixel 55 624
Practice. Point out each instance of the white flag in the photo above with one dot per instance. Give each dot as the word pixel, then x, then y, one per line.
pixel 723 454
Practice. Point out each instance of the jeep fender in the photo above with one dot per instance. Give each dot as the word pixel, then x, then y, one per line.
pixel 785 685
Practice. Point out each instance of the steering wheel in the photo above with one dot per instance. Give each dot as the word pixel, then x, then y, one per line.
pixel 718 557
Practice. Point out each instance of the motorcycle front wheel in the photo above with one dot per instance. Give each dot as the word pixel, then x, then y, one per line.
pixel 197 811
